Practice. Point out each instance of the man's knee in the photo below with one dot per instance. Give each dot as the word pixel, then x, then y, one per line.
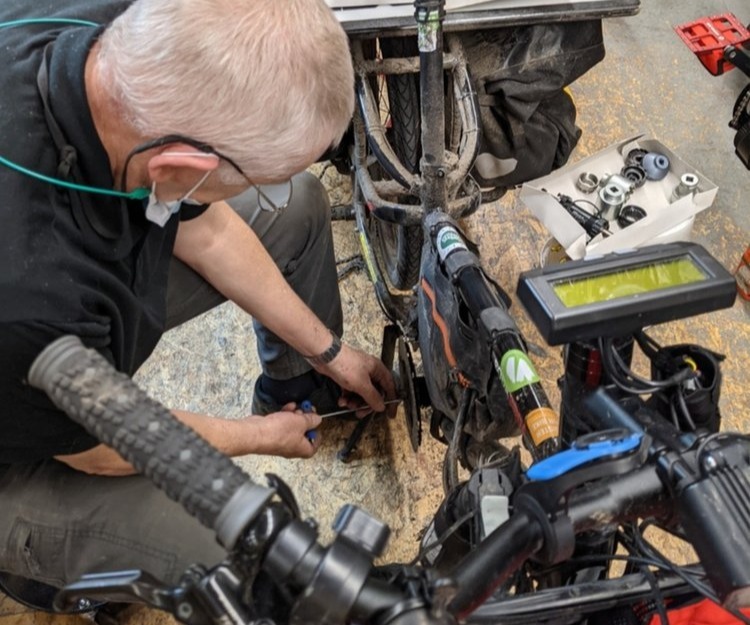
pixel 300 231
pixel 309 209
pixel 65 524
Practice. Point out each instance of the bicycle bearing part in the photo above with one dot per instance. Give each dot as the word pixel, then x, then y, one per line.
pixel 587 182
pixel 635 173
pixel 687 186
pixel 611 199
pixel 629 215
pixel 626 186
pixel 655 165
pixel 635 157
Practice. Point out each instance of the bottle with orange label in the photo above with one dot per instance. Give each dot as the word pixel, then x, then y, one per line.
pixel 742 275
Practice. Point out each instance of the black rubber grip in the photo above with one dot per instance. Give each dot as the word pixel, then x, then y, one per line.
pixel 111 407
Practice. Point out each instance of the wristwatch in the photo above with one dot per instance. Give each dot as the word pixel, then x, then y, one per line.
pixel 328 355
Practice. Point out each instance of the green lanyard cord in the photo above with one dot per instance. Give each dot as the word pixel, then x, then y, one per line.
pixel 47 20
pixel 137 194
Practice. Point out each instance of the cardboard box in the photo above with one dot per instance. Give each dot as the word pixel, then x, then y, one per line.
pixel 666 220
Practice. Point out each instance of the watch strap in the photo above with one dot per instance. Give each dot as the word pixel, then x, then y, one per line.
pixel 328 355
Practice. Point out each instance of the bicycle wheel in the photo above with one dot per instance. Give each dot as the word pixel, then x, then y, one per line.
pixel 399 248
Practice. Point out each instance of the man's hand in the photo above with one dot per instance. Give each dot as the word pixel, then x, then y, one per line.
pixel 286 433
pixel 363 375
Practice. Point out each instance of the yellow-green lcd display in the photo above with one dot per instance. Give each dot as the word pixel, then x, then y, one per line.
pixel 646 278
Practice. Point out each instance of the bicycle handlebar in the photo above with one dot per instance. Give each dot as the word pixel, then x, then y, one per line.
pixel 110 406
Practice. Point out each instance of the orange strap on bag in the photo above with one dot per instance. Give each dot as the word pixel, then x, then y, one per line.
pixel 704 612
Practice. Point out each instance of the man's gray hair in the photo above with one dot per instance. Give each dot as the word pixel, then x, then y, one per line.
pixel 267 82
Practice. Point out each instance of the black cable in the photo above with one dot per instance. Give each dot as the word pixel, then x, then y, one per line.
pixel 658 596
pixel 658 559
pixel 450 464
pixel 700 588
pixel 455 526
pixel 677 378
pixel 673 414
pixel 627 380
pixel 597 210
pixel 652 349
pixel 647 344
pixel 664 565
pixel 679 396
pixel 605 349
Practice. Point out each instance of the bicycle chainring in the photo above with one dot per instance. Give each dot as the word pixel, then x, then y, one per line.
pixel 408 392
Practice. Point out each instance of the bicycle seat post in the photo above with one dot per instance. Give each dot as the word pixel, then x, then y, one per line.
pixel 430 15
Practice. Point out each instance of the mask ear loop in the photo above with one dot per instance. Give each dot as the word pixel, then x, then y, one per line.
pixel 198 145
pixel 186 196
pixel 157 143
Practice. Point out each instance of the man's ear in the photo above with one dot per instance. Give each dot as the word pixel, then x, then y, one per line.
pixel 167 165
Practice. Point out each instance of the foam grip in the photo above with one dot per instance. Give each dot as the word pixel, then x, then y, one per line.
pixel 111 407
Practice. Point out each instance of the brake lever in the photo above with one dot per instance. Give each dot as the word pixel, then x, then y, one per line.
pixel 202 597
pixel 132 586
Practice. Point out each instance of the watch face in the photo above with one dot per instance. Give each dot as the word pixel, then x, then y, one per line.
pixel 631 282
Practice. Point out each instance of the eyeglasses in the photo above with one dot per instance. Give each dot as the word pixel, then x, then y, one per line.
pixel 265 202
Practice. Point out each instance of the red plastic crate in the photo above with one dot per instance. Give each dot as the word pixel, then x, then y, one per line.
pixel 707 38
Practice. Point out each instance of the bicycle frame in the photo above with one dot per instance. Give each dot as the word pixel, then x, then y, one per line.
pixel 441 183
pixel 437 184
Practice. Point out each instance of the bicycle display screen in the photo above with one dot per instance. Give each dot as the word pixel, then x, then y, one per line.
pixel 627 282
pixel 620 293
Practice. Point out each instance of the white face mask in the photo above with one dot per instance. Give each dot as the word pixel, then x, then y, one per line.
pixel 159 211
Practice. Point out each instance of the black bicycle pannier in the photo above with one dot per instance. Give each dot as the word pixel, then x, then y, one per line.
pixel 528 117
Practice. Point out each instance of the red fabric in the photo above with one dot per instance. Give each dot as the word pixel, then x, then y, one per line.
pixel 702 613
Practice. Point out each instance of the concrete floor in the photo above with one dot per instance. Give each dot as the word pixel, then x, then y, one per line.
pixel 649 83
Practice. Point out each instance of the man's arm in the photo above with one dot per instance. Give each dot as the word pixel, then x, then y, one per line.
pixel 278 434
pixel 221 247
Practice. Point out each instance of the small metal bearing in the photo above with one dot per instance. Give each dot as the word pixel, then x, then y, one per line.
pixel 635 157
pixel 611 199
pixel 587 182
pixel 687 186
pixel 635 173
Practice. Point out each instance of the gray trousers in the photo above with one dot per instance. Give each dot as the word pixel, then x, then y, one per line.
pixel 57 524
pixel 300 242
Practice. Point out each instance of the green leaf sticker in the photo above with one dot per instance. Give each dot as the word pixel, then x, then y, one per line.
pixel 517 371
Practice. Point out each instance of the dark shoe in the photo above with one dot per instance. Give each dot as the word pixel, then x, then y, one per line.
pixel 271 394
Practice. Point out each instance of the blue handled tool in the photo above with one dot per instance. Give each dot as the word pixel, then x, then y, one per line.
pixel 306 406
